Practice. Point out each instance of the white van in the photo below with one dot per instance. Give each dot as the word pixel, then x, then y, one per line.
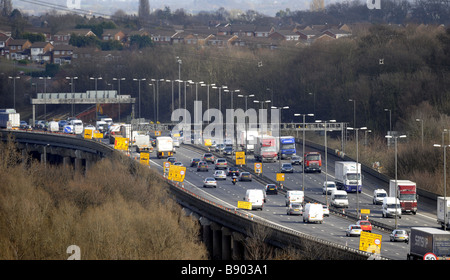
pixel 313 212
pixel 53 126
pixel 294 196
pixel 339 198
pixel 378 196
pixel 391 207
pixel 77 125
pixel 256 197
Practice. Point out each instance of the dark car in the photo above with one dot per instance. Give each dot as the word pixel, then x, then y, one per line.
pixel 228 150
pixel 245 176
pixel 233 171
pixel 220 147
pixel 208 157
pixel 287 168
pixel 202 166
pixel 271 189
pixel 171 159
pixel 296 160
pixel 195 161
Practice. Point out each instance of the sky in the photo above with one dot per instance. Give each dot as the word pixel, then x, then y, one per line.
pixel 267 7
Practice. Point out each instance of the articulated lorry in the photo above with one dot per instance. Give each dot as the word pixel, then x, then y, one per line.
pixel 443 208
pixel 347 176
pixel 9 118
pixel 265 148
pixel 428 243
pixel 406 193
pixel 164 146
pixel 287 147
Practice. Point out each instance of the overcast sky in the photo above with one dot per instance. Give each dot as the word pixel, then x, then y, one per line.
pixel 268 7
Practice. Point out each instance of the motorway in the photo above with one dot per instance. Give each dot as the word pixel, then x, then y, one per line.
pixel 333 227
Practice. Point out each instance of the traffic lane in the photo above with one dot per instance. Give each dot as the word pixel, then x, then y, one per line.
pixel 275 211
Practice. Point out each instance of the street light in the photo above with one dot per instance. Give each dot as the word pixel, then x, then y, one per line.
pixel 358 175
pixel 72 90
pixel 45 95
pixel 246 96
pixel 179 82
pixel 14 82
pixel 118 80
pixel 139 82
pixel 303 151
pixel 279 129
pixel 421 124
pixel 354 111
pixel 396 192
pixel 390 118
pixel 444 147
pixel 326 157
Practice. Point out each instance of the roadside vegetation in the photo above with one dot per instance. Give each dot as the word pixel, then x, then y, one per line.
pixel 115 211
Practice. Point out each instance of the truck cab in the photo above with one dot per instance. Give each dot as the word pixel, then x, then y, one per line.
pixel 312 162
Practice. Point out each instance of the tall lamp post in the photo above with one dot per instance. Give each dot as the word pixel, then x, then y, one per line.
pixel 139 90
pixel 444 147
pixel 118 80
pixel 14 93
pixel 245 96
pixel 45 95
pixel 279 129
pixel 358 172
pixel 96 103
pixel 326 157
pixel 421 128
pixel 396 192
pixel 303 151
pixel 72 86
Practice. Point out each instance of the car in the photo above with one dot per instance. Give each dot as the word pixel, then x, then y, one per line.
pixel 24 125
pixel 326 210
pixel 245 176
pixel 221 163
pixel 177 163
pixel 399 235
pixel 209 182
pixel 171 159
pixel 353 230
pixel 202 166
pixel 365 225
pixel 328 187
pixel 220 147
pixel 195 161
pixel 233 171
pixel 220 175
pixel 208 157
pixel 295 209
pixel 287 168
pixel 228 150
pixel 271 189
pixel 296 160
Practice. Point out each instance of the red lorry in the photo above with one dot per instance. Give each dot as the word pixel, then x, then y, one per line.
pixel 312 162
pixel 406 192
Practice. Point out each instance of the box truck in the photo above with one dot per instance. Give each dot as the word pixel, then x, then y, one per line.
pixel 406 193
pixel 312 162
pixel 265 148
pixel 164 146
pixel 428 243
pixel 9 118
pixel 347 175
pixel 443 207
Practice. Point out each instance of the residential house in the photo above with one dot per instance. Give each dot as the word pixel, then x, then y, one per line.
pixel 19 49
pixel 4 42
pixel 113 34
pixel 337 33
pixel 63 37
pixel 284 35
pixel 221 40
pixel 263 31
pixel 162 36
pixel 62 54
pixel 41 51
pixel 243 30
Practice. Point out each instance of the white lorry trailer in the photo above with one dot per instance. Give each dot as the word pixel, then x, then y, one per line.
pixel 9 118
pixel 443 208
pixel 164 146
pixel 348 176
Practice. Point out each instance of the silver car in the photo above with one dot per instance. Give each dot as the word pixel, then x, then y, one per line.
pixel 295 209
pixel 399 235
pixel 220 175
pixel 210 182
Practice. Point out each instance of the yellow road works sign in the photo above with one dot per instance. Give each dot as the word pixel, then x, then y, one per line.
pixel 370 242
pixel 258 167
pixel 144 158
pixel 98 134
pixel 121 143
pixel 280 177
pixel 176 173
pixel 245 205
pixel 240 158
pixel 88 133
